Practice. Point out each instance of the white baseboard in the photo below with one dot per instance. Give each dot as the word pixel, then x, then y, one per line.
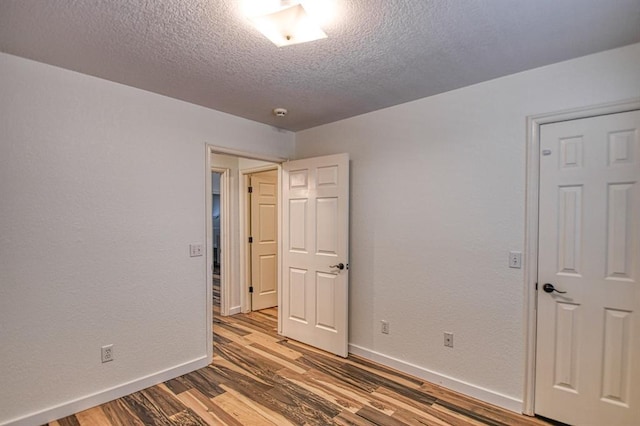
pixel 235 310
pixel 85 402
pixel 486 395
pixel 107 395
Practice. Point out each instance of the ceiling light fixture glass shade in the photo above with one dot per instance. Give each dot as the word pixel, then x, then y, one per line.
pixel 290 24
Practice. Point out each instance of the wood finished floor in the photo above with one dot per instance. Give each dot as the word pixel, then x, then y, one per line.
pixel 260 378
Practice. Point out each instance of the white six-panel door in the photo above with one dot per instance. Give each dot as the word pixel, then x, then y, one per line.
pixel 316 242
pixel 264 233
pixel 588 344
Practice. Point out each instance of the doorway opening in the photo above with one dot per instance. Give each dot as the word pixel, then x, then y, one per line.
pixel 218 234
pixel 313 222
pixel 216 248
pixel 233 261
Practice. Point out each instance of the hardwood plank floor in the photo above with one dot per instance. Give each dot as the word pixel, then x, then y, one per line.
pixel 260 378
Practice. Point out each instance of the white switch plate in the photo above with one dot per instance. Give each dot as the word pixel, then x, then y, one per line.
pixel 384 327
pixel 195 250
pixel 515 259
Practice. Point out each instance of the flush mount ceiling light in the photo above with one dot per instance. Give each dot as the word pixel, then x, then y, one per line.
pixel 288 22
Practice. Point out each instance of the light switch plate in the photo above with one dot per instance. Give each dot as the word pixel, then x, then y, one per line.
pixel 195 250
pixel 515 259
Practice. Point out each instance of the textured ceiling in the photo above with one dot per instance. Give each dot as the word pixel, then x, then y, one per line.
pixel 379 52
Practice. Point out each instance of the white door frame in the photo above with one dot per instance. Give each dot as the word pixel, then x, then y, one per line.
pixel 226 279
pixel 531 227
pixel 245 256
pixel 225 228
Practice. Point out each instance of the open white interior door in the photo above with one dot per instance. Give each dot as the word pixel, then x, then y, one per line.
pixel 264 235
pixel 315 267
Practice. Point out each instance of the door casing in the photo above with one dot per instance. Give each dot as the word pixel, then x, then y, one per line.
pixel 224 236
pixel 531 227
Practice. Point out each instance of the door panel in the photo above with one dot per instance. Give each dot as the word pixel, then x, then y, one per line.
pixel 297 225
pixel 268 270
pixel 566 355
pixel 617 356
pixel 588 344
pixel 327 226
pixel 297 307
pixel 315 235
pixel 264 230
pixel 325 297
pixel 619 250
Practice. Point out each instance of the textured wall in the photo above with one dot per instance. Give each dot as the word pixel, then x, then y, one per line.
pixel 437 201
pixel 102 188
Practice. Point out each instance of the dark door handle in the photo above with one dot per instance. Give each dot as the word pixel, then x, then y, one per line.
pixel 549 288
pixel 339 266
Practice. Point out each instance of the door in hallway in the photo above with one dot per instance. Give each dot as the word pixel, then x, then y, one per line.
pixel 588 319
pixel 264 237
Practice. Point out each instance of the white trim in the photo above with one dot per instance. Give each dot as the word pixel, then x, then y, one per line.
pixel 243 200
pixel 280 243
pixel 245 154
pixel 98 398
pixel 266 168
pixel 235 310
pixel 531 227
pixel 483 394
pixel 208 286
pixel 226 272
pixel 530 264
pixel 225 235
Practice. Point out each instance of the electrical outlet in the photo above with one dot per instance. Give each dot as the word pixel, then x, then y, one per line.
pixel 448 339
pixel 195 250
pixel 107 353
pixel 515 259
pixel 384 327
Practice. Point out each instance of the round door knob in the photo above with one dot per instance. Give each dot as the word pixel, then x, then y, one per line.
pixel 549 288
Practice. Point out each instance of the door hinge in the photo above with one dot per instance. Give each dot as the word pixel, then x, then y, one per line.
pixel 536 286
pixel 250 239
pixel 251 289
pixel 250 189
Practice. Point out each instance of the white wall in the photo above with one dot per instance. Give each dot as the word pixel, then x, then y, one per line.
pixel 102 188
pixel 437 201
